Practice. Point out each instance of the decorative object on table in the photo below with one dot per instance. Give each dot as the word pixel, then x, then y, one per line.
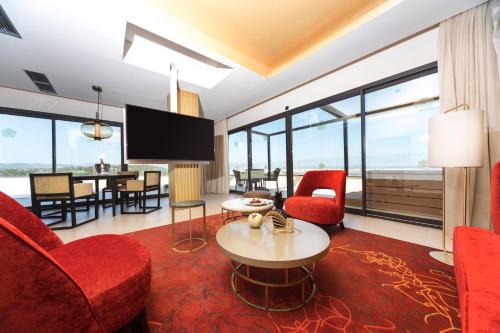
pixel 455 141
pixel 279 223
pixel 96 129
pixel 255 220
pixel 102 167
pixel 278 205
pixel 256 202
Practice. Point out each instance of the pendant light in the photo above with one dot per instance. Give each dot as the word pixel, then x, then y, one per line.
pixel 96 129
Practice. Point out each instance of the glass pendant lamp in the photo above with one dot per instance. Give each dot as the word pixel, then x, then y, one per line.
pixel 97 129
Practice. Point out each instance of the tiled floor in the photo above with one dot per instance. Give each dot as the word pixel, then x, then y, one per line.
pixel 121 224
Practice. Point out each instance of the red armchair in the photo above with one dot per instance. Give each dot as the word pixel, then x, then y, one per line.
pixel 319 210
pixel 477 269
pixel 95 284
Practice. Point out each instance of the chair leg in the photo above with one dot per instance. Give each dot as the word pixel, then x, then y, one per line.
pixel 73 213
pixel 140 323
pixel 342 225
pixel 121 202
pixel 64 210
pixel 144 202
pixel 158 205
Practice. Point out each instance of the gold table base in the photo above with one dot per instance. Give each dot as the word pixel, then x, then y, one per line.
pixel 190 239
pixel 301 281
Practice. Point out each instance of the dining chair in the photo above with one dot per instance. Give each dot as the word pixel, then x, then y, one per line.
pixel 60 187
pixel 151 182
pixel 120 183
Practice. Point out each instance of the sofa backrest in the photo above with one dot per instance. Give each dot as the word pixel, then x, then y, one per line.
pixel 495 198
pixel 30 225
pixel 36 293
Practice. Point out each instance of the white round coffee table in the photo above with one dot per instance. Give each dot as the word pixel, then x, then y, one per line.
pixel 241 205
pixel 264 249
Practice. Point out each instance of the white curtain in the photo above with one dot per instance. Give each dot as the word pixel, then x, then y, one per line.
pixel 469 73
pixel 215 175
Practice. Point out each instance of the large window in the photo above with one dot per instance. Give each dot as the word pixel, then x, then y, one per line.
pixel 318 142
pixel 25 147
pixel 238 161
pixel 30 142
pixel 376 133
pixel 269 156
pixel 78 154
pixel 398 178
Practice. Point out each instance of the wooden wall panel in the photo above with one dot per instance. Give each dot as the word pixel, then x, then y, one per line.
pixel 184 179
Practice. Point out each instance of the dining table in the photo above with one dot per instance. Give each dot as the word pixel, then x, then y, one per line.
pixel 112 182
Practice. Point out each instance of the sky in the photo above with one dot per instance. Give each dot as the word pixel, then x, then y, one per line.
pixel 395 139
pixel 29 140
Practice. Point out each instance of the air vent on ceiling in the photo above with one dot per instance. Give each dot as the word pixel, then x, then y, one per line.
pixel 41 81
pixel 6 26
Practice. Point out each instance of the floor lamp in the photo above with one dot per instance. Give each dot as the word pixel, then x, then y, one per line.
pixel 455 141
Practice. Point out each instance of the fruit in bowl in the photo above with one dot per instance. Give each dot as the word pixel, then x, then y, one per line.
pixel 255 220
pixel 255 201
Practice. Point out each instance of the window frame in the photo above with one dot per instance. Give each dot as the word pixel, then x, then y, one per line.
pixel 54 117
pixel 412 74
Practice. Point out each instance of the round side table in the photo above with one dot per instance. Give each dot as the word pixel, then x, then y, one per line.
pixel 181 205
pixel 240 205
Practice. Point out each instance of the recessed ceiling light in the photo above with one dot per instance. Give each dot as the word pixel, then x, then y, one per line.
pixel 152 52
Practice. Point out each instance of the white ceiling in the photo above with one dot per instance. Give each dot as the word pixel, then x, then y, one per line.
pixel 80 42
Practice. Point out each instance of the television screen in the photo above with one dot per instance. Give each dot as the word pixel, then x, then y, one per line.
pixel 161 136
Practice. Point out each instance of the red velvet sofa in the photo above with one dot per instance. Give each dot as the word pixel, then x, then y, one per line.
pixel 319 210
pixel 95 284
pixel 477 269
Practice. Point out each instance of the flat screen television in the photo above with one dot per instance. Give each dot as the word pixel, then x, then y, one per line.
pixel 155 136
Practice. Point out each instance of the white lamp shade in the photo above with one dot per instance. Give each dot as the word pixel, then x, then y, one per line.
pixel 456 139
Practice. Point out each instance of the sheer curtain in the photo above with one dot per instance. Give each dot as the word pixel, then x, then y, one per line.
pixel 469 73
pixel 215 175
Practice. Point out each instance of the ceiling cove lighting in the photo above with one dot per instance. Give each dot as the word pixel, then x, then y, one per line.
pixel 144 49
pixel 96 129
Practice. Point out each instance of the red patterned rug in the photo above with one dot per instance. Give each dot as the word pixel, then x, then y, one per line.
pixel 367 283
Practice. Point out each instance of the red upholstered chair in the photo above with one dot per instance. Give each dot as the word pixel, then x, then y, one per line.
pixel 477 269
pixel 319 210
pixel 95 284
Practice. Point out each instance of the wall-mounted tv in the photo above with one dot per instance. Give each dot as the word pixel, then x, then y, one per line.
pixel 155 136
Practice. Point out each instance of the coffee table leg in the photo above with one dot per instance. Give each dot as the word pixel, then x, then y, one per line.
pixel 204 223
pixel 190 232
pixel 173 228
pixel 266 296
pixel 303 293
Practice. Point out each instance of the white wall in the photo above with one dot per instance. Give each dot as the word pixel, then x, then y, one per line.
pixel 26 100
pixel 415 52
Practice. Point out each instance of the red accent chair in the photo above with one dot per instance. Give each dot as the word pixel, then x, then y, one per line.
pixel 319 210
pixel 95 284
pixel 477 269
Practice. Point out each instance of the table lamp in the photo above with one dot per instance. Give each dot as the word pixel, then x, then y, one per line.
pixel 455 141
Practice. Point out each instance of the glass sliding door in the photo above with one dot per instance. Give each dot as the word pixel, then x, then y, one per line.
pixel 238 161
pixel 269 156
pixel 317 142
pixel 399 182
pixel 25 147
pixel 350 111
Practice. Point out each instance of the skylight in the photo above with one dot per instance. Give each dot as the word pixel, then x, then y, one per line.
pixel 152 52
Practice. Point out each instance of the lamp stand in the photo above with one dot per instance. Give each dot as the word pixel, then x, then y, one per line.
pixel 443 256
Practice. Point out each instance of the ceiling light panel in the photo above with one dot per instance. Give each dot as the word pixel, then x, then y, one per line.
pixel 152 52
